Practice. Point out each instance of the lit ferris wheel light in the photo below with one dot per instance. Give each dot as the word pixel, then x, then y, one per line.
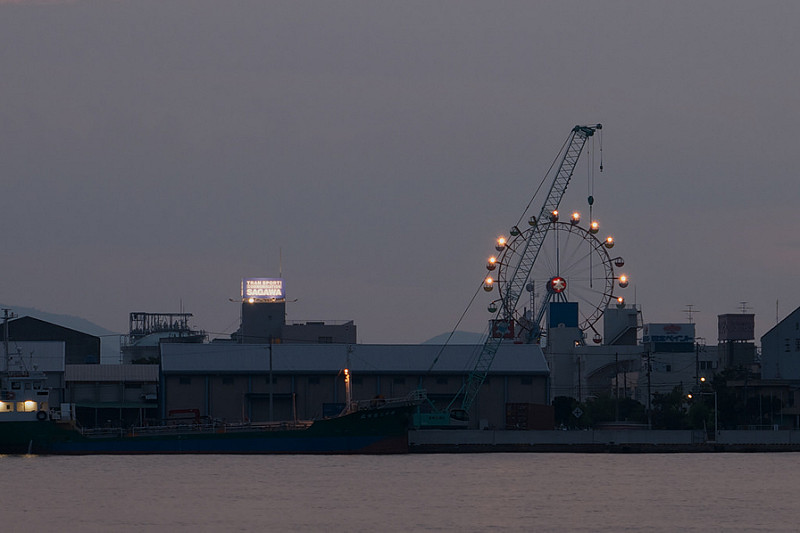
pixel 501 244
pixel 488 284
pixel 575 218
pixel 609 242
pixel 594 227
pixel 620 302
pixel 554 216
pixel 623 281
pixel 491 264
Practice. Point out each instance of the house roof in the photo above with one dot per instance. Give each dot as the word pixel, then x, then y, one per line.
pixel 28 323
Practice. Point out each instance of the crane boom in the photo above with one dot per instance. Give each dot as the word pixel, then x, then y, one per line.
pixel 521 271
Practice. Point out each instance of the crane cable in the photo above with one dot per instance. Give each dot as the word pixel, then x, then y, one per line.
pixel 446 342
pixel 544 178
pixel 527 207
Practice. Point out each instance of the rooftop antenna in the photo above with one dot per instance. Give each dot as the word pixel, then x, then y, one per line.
pixel 690 311
pixel 744 307
pixel 280 262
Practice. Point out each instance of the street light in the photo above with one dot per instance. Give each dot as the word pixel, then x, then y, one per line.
pixel 716 419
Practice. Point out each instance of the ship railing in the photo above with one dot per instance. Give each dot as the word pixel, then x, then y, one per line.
pixel 193 428
pixel 415 397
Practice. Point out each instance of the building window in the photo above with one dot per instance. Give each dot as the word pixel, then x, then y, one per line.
pixel 788 345
pixel 526 380
pixel 441 381
pixel 227 380
pixel 325 340
pixel 185 380
pixel 399 381
pixel 314 380
pixel 669 368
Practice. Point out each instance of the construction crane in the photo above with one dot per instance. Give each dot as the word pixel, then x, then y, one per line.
pixel 519 272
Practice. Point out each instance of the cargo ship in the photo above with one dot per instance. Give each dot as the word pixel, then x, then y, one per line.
pixel 29 426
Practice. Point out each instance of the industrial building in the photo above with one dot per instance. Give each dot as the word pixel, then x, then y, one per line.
pixel 258 383
pixel 668 356
pixel 79 347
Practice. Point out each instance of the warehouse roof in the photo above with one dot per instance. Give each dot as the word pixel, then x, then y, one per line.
pixel 363 358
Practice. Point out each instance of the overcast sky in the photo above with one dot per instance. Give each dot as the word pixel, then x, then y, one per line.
pixel 154 153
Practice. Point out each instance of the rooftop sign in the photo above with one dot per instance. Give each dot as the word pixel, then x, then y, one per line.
pixel 263 289
pixel 668 333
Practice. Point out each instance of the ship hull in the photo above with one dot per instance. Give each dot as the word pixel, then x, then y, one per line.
pixel 373 431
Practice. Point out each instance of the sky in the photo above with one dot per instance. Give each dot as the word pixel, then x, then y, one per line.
pixel 152 154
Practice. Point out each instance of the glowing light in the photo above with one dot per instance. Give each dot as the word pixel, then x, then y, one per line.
pixel 488 283
pixel 623 281
pixel 251 300
pixel 501 244
pixel 689 396
pixel 554 216
pixel 703 380
pixel 576 217
pixel 492 263
pixel 30 405
pixel 609 242
pixel 594 227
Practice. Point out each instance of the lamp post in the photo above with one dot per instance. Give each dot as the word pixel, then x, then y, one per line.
pixel 716 416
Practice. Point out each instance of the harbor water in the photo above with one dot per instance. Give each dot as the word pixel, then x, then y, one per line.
pixel 436 492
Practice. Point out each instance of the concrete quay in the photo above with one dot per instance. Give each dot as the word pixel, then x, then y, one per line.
pixel 600 441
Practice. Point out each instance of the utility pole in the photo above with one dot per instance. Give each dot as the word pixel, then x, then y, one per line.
pixel 649 413
pixel 696 364
pixel 271 385
pixel 616 388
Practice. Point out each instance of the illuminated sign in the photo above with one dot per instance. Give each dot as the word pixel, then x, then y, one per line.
pixel 263 289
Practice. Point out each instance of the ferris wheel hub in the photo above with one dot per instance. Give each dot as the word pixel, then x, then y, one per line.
pixel 557 284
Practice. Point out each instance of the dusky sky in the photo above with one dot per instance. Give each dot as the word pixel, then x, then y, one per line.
pixel 154 153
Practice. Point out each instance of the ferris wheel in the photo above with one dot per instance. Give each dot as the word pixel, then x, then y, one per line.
pixel 573 265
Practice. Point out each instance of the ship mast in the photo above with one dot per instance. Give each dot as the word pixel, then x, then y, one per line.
pixel 7 315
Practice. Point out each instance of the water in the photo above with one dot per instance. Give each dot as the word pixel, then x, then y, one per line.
pixel 468 492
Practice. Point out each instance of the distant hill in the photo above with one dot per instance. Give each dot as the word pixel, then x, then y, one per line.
pixel 459 337
pixel 109 340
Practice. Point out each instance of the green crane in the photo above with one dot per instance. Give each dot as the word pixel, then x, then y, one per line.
pixel 519 272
